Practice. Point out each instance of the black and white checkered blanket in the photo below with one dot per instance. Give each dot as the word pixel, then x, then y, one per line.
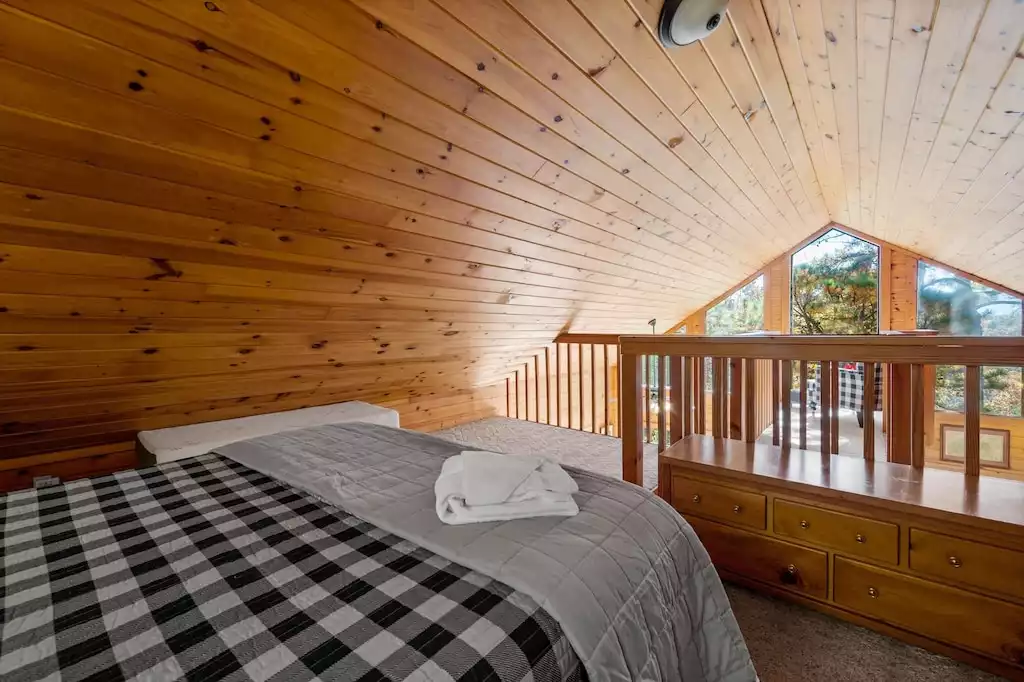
pixel 207 570
pixel 851 389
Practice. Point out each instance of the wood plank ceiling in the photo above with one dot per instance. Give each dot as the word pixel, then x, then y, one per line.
pixel 209 209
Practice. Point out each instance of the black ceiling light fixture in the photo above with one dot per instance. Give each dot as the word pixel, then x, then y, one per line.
pixel 686 21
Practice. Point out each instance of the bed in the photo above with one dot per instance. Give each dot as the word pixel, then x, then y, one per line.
pixel 309 554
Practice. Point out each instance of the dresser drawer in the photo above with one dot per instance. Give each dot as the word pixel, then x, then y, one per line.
pixel 718 502
pixel 943 613
pixel 770 561
pixel 852 535
pixel 971 563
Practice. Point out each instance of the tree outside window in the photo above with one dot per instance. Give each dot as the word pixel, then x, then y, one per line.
pixel 742 312
pixel 835 286
pixel 956 305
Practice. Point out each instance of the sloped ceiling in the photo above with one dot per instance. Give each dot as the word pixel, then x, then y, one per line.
pixel 211 203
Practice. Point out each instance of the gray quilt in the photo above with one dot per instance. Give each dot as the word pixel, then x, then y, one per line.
pixel 626 578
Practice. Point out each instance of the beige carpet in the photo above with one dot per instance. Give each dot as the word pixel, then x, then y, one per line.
pixel 787 642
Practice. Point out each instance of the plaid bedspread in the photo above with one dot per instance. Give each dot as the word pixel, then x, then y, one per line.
pixel 206 570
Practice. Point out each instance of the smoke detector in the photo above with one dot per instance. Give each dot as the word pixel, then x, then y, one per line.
pixel 686 21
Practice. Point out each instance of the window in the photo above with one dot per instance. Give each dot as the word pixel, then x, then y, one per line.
pixel 835 286
pixel 955 305
pixel 741 312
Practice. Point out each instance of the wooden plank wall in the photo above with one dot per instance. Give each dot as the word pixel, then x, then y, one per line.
pixel 210 213
pixel 902 289
pixel 210 209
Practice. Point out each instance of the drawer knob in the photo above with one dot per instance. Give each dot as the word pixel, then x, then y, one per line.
pixel 736 509
pixel 805 524
pixel 696 498
pixel 860 538
pixel 954 562
pixel 790 575
pixel 873 593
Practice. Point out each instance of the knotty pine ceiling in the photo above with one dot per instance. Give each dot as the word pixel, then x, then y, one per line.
pixel 217 208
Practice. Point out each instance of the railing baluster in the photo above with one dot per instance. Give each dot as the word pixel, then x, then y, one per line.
pixel 630 391
pixel 662 401
pixel 803 405
pixel 825 398
pixel 679 413
pixel 833 431
pixel 569 389
pixel 700 395
pixel 688 417
pixel 547 380
pixel 647 399
pixel 900 414
pixel 750 400
pixel 786 391
pixel 735 398
pixel 607 392
pixel 917 416
pixel 972 421
pixel 719 398
pixel 580 364
pixel 537 389
pixel 558 384
pixel 526 391
pixel 776 427
pixel 593 390
pixel 869 411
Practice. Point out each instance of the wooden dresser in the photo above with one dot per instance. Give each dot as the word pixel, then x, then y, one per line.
pixel 929 556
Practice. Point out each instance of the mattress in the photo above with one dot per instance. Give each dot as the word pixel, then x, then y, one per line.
pixel 206 570
pixel 180 442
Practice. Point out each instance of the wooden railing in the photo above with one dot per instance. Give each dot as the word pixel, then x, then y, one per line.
pixel 740 367
pixel 572 383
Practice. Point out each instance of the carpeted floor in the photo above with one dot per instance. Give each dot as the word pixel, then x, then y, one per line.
pixel 787 642
pixel 576 448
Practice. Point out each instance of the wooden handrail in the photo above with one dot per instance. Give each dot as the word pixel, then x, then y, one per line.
pixel 597 339
pixel 927 350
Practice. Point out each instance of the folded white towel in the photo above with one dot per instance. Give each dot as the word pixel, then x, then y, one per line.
pixel 486 486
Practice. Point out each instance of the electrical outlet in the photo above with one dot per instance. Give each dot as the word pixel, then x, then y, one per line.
pixel 45 481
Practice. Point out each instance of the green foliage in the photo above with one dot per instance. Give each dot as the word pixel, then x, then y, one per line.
pixel 955 305
pixel 742 312
pixel 835 291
